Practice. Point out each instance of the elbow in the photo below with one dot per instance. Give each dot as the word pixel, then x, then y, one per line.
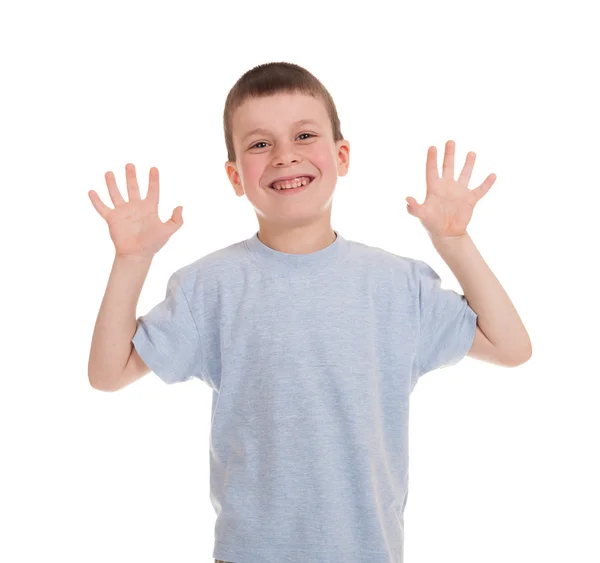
pixel 100 383
pixel 521 358
pixel 522 353
pixel 528 353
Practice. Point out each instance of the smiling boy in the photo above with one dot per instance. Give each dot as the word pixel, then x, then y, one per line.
pixel 287 135
pixel 310 342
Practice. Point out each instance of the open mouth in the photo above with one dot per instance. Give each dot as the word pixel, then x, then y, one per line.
pixel 293 190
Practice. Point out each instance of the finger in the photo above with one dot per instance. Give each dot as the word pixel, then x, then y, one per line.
pixel 113 191
pixel 412 206
pixel 467 170
pixel 448 165
pixel 102 209
pixel 176 220
pixel 485 187
pixel 431 170
pixel 153 187
pixel 133 190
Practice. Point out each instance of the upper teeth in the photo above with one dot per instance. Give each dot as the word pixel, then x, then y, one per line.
pixel 286 184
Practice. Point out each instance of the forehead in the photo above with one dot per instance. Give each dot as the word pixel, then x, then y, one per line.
pixel 278 112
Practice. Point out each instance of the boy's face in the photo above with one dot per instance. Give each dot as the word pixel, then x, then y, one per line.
pixel 284 149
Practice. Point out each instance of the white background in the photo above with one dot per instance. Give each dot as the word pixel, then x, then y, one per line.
pixel 503 462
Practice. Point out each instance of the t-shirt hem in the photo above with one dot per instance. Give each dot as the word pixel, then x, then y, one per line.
pixel 273 554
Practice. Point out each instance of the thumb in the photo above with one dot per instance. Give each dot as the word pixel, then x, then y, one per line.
pixel 413 206
pixel 176 220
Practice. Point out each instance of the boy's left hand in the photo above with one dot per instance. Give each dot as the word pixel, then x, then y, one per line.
pixel 449 204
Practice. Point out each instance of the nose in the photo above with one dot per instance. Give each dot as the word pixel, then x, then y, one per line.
pixel 285 155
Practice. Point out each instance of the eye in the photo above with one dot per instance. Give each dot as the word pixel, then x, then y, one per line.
pixel 256 145
pixel 263 142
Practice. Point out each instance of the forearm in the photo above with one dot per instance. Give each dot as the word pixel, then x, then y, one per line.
pixel 496 315
pixel 116 321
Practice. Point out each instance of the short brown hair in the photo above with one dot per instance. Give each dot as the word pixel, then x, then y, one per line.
pixel 273 78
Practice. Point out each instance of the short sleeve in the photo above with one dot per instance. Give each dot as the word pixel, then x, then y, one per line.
pixel 447 323
pixel 167 337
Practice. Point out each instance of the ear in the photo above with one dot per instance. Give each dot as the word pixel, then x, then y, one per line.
pixel 234 177
pixel 343 155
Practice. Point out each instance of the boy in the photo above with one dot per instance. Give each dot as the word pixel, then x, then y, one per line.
pixel 312 343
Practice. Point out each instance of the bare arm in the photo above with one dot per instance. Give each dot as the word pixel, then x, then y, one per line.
pixel 138 234
pixel 496 315
pixel 112 348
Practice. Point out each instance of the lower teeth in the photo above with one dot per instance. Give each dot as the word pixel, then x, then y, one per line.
pixel 284 189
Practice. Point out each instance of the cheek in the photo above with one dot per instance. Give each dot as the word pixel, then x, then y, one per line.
pixel 322 158
pixel 252 169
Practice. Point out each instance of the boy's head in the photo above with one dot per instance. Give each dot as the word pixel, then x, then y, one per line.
pixel 274 97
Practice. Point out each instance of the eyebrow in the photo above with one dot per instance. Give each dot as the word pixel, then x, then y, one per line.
pixel 261 130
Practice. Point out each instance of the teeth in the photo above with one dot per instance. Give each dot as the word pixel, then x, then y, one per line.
pixel 287 185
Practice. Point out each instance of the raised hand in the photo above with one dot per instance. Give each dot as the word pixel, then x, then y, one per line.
pixel 134 225
pixel 449 203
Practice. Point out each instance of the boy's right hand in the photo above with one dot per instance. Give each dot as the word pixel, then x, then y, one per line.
pixel 134 225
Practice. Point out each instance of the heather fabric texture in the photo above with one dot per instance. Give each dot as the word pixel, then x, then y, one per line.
pixel 311 359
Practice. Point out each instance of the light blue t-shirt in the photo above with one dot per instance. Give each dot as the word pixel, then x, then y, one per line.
pixel 311 359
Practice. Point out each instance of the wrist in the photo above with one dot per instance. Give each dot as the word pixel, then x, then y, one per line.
pixel 133 258
pixel 437 239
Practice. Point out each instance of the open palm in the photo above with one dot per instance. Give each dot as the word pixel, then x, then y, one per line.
pixel 449 203
pixel 135 227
